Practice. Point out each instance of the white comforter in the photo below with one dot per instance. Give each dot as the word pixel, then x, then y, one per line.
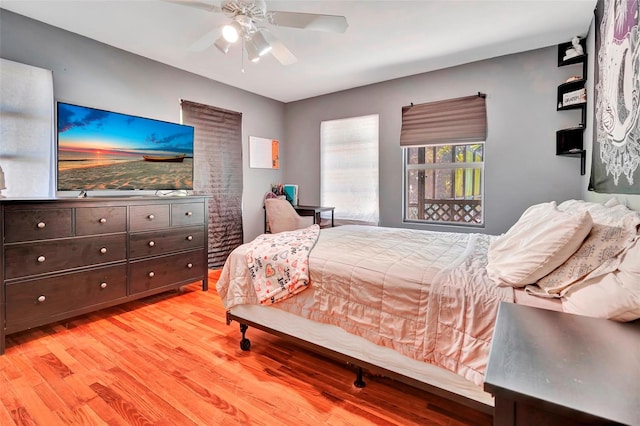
pixel 424 294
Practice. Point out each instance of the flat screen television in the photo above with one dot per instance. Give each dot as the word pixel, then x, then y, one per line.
pixel 104 150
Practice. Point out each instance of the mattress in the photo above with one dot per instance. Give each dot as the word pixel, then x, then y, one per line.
pixel 423 294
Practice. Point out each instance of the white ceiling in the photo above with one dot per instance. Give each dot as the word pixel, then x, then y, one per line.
pixel 384 40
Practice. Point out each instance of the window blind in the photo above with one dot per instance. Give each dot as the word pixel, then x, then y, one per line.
pixel 217 156
pixel 349 168
pixel 26 130
pixel 444 122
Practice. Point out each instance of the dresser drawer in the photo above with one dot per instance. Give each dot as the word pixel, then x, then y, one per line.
pixel 26 259
pixel 100 220
pixel 151 216
pixel 31 225
pixel 162 271
pixel 33 302
pixel 153 243
pixel 187 214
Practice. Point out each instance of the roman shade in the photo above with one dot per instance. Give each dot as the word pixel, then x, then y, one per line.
pixel 217 173
pixel 349 168
pixel 444 122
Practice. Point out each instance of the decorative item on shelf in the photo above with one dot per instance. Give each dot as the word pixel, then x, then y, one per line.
pixel 3 184
pixel 573 78
pixel 575 49
pixel 576 97
pixel 291 191
pixel 277 188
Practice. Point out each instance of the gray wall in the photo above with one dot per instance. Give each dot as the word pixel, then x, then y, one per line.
pixel 521 167
pixel 94 74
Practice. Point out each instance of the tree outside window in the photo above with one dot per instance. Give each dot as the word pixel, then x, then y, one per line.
pixel 443 183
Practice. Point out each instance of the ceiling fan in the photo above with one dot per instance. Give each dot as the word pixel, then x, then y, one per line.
pixel 248 19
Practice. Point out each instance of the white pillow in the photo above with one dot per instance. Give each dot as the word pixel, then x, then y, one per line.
pixel 615 295
pixel 614 228
pixel 542 239
pixel 612 202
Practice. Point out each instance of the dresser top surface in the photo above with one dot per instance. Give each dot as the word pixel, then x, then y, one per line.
pixel 585 364
pixel 102 200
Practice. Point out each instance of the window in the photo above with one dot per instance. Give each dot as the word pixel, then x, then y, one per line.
pixel 349 168
pixel 443 145
pixel 444 183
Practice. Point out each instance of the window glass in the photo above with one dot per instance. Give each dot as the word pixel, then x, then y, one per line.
pixel 444 184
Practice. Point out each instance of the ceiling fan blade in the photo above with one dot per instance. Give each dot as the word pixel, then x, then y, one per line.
pixel 309 21
pixel 205 41
pixel 279 50
pixel 197 4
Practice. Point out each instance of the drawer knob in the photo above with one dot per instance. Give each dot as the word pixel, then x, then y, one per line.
pixel 41 225
pixel 41 298
pixel 103 285
pixel 190 238
pixel 103 220
pixel 189 213
pixel 151 243
pixel 103 250
pixel 151 217
pixel 41 259
pixel 189 265
pixel 151 274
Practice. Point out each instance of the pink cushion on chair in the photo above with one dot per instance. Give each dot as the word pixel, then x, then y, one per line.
pixel 281 216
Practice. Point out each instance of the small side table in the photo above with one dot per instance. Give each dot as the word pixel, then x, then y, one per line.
pixel 553 368
pixel 315 212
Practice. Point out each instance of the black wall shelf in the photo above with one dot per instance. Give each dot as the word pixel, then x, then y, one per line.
pixel 569 142
pixel 562 49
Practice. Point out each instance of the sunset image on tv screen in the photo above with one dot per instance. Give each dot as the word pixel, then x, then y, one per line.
pixel 100 149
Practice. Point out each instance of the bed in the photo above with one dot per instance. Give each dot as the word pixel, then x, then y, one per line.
pixel 419 306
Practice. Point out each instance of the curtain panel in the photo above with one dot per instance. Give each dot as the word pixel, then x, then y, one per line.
pixel 218 174
pixel 445 122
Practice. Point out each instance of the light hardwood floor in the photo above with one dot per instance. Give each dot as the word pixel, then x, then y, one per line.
pixel 172 360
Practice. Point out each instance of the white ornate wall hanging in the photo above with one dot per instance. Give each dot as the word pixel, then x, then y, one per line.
pixel 616 146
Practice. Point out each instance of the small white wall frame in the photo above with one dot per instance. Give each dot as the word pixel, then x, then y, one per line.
pixel 264 153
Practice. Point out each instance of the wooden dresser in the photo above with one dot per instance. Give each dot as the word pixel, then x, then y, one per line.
pixel 66 257
pixel 553 368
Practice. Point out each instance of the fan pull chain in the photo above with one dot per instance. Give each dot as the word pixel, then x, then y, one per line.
pixel 242 55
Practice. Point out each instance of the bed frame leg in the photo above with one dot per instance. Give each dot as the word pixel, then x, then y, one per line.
pixel 359 383
pixel 245 344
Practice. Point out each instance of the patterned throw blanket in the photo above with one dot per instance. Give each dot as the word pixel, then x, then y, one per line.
pixel 279 263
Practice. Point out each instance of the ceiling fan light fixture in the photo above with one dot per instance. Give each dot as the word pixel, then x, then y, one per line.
pixel 223 45
pixel 252 52
pixel 245 17
pixel 260 43
pixel 231 32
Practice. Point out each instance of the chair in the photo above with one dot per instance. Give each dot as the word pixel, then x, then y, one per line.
pixel 281 216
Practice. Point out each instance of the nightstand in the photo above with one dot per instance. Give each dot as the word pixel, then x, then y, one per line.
pixel 315 212
pixel 553 368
